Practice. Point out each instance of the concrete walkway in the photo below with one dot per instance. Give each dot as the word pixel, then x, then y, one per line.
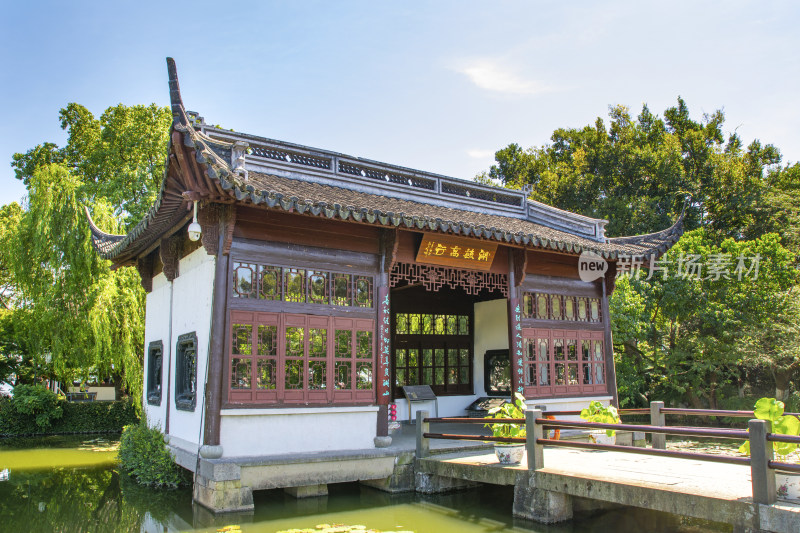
pixel 404 439
pixel 712 491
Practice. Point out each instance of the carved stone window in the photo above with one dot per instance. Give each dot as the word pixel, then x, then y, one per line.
pixel 497 373
pixel 186 372
pixel 155 359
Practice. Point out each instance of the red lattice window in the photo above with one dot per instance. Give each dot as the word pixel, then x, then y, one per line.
pixel 544 306
pixel 560 362
pixel 300 285
pixel 432 349
pixel 284 358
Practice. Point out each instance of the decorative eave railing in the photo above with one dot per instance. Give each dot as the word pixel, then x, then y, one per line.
pixel 363 175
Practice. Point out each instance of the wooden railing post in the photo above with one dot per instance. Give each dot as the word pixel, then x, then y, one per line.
pixel 533 432
pixel 423 443
pixel 761 453
pixel 657 418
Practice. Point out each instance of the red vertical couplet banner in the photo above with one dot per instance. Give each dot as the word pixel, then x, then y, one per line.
pixel 515 349
pixel 384 376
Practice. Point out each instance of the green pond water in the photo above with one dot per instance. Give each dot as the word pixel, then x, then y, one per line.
pixel 74 484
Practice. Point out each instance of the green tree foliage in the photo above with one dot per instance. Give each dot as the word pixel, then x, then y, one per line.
pixel 70 310
pixel 637 172
pixel 10 216
pixel 119 157
pixel 685 338
pixel 92 316
pixel 682 339
pixel 36 405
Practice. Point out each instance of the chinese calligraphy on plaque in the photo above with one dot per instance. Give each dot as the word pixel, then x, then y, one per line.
pixel 456 252
pixel 517 345
pixel 384 339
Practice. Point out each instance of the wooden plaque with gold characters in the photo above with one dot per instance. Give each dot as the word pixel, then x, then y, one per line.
pixel 456 252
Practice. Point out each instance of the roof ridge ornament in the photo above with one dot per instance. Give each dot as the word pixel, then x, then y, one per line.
pixel 239 152
pixel 174 90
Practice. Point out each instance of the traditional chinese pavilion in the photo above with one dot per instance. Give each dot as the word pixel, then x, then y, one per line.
pixel 321 284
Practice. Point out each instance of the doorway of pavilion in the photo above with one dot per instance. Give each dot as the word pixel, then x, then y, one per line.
pixel 433 337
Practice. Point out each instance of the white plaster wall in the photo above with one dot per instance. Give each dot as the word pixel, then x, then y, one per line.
pixel 567 404
pixel 191 312
pixel 156 328
pixel 448 406
pixel 104 394
pixel 248 432
pixel 491 333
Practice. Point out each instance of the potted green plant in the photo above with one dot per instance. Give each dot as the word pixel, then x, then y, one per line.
pixel 788 483
pixel 599 413
pixel 511 453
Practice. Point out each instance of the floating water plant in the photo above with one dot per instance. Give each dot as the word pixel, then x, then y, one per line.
pixel 336 528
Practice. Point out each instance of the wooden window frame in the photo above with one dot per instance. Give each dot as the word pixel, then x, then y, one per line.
pixel 531 310
pixel 280 395
pixel 352 298
pixel 154 382
pixel 434 341
pixel 533 364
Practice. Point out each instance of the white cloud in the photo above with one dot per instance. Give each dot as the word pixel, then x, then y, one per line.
pixel 481 154
pixel 494 77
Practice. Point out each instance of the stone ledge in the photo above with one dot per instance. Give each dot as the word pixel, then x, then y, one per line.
pixel 300 411
pixel 276 476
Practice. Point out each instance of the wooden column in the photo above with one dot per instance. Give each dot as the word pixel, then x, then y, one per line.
pixel 514 324
pixel 216 344
pixel 383 376
pixel 611 372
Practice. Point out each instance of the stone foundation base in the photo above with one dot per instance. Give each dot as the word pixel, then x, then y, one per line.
pixel 222 496
pixel 433 484
pixel 541 505
pixel 402 478
pixel 307 491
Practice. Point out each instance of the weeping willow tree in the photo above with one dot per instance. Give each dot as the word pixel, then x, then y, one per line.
pixel 81 318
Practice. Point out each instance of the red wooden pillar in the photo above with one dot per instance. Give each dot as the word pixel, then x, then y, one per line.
pixel 514 320
pixel 383 381
pixel 384 340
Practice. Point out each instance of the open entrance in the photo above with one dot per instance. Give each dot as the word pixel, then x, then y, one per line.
pixel 434 338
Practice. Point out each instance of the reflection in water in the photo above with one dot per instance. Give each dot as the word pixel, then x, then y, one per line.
pixel 38 496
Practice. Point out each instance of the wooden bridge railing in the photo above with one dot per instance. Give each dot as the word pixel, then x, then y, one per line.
pixel 761 461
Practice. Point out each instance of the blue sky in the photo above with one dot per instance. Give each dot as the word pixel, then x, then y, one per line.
pixel 437 86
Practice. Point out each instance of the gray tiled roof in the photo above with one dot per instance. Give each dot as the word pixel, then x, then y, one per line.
pixel 211 174
pixel 324 200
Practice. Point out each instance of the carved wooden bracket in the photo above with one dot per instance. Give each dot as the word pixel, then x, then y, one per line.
pixel 145 267
pixel 610 279
pixel 389 243
pixel 170 253
pixel 520 258
pixel 209 219
pixel 230 223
